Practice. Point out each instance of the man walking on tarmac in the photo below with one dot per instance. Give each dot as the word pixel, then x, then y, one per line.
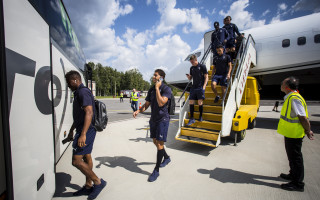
pixel 293 125
pixel 134 100
pixel 158 97
pixel 121 97
pixel 199 74
pixel 221 72
pixel 83 122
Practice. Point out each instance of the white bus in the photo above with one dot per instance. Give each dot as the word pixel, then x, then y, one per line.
pixel 38 46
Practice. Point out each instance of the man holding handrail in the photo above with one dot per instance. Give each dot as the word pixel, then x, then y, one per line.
pixel 221 72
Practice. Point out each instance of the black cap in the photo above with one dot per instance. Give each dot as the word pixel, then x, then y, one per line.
pixel 216 24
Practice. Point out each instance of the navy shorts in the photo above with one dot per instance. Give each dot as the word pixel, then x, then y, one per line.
pixel 231 43
pixel 159 130
pixel 220 79
pixel 90 136
pixel 196 94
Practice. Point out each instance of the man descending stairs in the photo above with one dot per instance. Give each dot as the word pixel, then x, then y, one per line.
pixel 199 74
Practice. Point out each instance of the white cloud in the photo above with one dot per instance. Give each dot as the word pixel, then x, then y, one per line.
pixel 306 5
pixel 242 18
pixel 149 2
pixel 282 6
pixel 265 13
pixel 93 23
pixel 211 12
pixel 171 17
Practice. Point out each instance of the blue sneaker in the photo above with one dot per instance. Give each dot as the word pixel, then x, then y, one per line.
pixel 153 176
pixel 191 121
pixel 83 191
pixel 200 119
pixel 97 189
pixel 165 162
pixel 216 99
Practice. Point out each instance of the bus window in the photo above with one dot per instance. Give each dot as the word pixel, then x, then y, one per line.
pixel 285 43
pixel 317 38
pixel 301 40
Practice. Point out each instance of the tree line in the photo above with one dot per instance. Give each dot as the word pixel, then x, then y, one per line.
pixel 110 82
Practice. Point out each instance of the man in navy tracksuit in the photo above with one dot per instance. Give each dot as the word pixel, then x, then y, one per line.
pixel 232 30
pixel 221 72
pixel 220 36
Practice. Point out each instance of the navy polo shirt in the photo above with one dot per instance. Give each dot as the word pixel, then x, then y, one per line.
pixel 197 73
pixel 221 64
pixel 159 113
pixel 232 29
pixel 82 98
pixel 218 37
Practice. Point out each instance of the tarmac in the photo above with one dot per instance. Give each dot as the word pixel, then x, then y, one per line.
pixel 125 156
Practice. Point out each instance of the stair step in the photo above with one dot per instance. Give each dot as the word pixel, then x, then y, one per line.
pixel 210 102
pixel 209 143
pixel 200 133
pixel 215 126
pixel 209 109
pixel 207 116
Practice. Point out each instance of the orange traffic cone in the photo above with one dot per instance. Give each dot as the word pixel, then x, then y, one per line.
pixel 140 105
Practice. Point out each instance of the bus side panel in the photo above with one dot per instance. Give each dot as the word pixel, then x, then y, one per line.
pixel 30 108
pixel 63 98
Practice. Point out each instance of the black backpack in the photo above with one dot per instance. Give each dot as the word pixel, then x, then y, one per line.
pixel 171 105
pixel 100 116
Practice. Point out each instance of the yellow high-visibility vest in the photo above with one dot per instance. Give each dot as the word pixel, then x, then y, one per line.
pixel 121 94
pixel 134 96
pixel 288 126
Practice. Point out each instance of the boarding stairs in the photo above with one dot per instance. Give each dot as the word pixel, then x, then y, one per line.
pixel 217 117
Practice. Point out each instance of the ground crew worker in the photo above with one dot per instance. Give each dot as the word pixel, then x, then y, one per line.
pixel 232 30
pixel 199 74
pixel 219 37
pixel 158 97
pixel 134 100
pixel 293 125
pixel 121 97
pixel 221 72
pixel 83 122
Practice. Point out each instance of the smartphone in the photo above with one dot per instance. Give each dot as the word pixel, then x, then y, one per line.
pixel 161 79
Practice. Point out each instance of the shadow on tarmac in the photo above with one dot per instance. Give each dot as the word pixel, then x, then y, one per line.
pixel 127 163
pixel 232 176
pixel 63 181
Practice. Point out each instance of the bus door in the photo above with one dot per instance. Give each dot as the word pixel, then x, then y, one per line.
pixel 27 49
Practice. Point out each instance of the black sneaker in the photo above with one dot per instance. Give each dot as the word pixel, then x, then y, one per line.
pixel 292 187
pixel 83 191
pixel 216 99
pixel 286 176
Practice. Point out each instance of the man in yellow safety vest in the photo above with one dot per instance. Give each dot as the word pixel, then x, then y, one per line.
pixel 293 125
pixel 134 100
pixel 121 97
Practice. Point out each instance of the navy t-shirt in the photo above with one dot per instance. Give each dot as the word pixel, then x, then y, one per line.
pixel 232 29
pixel 82 98
pixel 197 73
pixel 159 113
pixel 221 64
pixel 218 37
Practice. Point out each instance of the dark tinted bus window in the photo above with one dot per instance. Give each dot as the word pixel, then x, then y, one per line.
pixel 61 30
pixel 285 43
pixel 301 40
pixel 317 38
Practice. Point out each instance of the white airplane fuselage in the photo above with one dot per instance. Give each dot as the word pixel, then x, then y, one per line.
pixel 287 48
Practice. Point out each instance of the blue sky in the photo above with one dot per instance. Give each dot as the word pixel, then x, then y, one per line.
pixel 151 34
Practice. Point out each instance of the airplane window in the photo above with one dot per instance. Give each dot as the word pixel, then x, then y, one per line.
pixel 285 43
pixel 317 38
pixel 301 40
pixel 198 54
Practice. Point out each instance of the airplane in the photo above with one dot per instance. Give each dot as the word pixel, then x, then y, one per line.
pixel 287 48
